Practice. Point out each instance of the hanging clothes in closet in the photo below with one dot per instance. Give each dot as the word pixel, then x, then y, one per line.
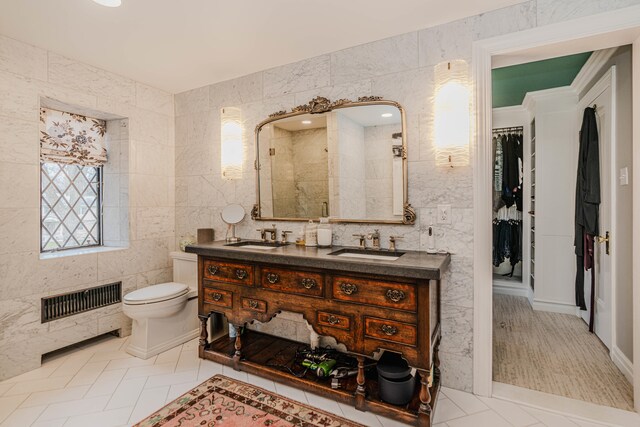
pixel 507 200
pixel 587 207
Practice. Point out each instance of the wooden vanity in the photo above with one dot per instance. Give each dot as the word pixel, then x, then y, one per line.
pixel 364 304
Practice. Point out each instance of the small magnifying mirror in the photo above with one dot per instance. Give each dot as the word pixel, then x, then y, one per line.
pixel 232 215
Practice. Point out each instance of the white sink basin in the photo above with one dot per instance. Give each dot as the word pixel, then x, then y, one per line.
pixel 368 256
pixel 262 248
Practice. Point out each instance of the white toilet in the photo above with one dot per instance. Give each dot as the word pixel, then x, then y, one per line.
pixel 165 315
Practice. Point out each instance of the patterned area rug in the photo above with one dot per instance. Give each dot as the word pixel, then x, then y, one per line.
pixel 223 401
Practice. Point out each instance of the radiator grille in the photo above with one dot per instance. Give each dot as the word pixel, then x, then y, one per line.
pixel 63 305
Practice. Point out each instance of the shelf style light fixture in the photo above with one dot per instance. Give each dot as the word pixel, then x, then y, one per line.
pixel 452 113
pixel 232 149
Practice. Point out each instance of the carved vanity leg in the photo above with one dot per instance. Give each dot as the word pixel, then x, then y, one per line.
pixel 238 346
pixel 360 390
pixel 424 412
pixel 436 362
pixel 204 334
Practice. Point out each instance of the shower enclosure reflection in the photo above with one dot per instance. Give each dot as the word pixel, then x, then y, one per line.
pixel 346 164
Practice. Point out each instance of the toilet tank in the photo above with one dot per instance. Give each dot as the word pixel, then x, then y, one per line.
pixel 185 268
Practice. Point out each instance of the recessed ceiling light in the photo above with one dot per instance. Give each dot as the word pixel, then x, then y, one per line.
pixel 306 122
pixel 387 115
pixel 109 3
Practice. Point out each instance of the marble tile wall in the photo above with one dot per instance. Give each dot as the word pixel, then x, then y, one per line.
pixel 379 169
pixel 141 165
pixel 398 68
pixel 310 171
pixel 348 161
pixel 279 171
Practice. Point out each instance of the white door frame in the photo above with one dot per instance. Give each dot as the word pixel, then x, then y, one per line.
pixel 610 25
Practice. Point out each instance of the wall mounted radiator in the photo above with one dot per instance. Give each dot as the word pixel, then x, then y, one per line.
pixel 64 305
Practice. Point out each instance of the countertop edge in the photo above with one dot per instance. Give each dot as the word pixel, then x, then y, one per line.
pixel 354 266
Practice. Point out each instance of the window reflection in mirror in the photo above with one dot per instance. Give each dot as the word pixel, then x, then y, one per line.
pixel 346 163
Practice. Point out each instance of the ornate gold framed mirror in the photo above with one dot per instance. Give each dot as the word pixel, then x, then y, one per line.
pixel 345 160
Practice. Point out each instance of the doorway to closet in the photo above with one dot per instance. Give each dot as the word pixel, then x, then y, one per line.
pixel 541 340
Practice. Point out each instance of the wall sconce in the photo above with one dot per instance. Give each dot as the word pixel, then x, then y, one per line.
pixel 232 150
pixel 452 113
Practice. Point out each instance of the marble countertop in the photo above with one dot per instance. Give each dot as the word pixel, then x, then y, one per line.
pixel 413 264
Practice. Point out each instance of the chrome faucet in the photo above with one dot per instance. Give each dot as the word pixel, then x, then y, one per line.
pixel 263 233
pixel 363 242
pixel 375 238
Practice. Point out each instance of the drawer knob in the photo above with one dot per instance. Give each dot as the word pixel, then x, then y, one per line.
pixel 217 296
pixel 389 330
pixel 272 278
pixel 241 273
pixel 348 288
pixel 308 283
pixel 253 304
pixel 333 319
pixel 212 269
pixel 395 295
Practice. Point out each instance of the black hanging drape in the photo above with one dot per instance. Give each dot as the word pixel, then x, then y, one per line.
pixel 587 205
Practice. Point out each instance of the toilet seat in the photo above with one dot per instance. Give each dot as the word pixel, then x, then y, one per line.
pixel 156 293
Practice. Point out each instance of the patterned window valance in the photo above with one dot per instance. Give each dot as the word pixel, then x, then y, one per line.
pixel 71 138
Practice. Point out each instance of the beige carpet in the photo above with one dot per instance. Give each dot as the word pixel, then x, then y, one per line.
pixel 554 353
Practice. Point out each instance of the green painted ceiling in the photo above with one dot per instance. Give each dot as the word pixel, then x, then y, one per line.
pixel 511 84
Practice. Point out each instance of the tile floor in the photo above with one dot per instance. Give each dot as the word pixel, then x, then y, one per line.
pixel 99 385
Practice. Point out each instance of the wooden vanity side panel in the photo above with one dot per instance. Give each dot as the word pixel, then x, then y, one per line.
pixel 399 296
pixel 424 320
pixel 434 305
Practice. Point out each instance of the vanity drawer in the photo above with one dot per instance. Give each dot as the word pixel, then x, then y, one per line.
pixel 253 304
pixel 292 281
pixel 218 297
pixel 333 320
pixel 223 271
pixel 396 295
pixel 390 330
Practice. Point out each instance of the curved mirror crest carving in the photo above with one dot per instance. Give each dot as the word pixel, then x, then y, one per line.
pixel 346 160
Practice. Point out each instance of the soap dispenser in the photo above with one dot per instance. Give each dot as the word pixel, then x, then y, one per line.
pixel 311 234
pixel 324 233
pixel 431 241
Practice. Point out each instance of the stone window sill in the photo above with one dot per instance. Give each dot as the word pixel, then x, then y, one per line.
pixel 80 251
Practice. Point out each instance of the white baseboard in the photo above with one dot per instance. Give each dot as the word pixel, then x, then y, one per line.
pixel 623 363
pixel 507 287
pixel 554 306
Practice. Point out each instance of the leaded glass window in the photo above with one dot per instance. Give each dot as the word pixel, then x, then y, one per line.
pixel 71 213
